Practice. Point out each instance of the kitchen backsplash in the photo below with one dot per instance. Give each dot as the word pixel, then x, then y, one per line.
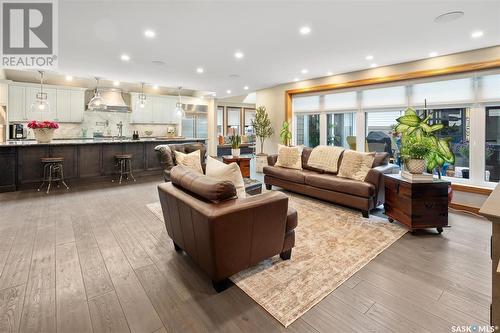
pixel 95 121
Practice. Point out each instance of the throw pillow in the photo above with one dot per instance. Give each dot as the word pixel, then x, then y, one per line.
pixel 231 172
pixel 325 158
pixel 356 165
pixel 191 160
pixel 289 157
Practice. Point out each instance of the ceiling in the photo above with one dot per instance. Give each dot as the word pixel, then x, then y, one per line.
pixel 191 34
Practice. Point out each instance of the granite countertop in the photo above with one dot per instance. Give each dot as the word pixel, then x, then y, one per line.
pixel 20 143
pixel 491 207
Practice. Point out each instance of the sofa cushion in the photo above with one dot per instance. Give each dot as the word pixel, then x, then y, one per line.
pixel 325 158
pixel 191 160
pixel 343 185
pixel 380 159
pixel 203 186
pixel 296 176
pixel 306 153
pixel 221 171
pixel 289 157
pixel 355 165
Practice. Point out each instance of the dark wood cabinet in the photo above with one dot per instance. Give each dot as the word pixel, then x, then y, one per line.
pixel 243 163
pixel 415 204
pixel 8 170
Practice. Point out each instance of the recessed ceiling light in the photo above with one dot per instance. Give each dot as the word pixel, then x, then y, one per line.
pixel 304 71
pixel 116 83
pixel 69 78
pixel 296 80
pixel 228 91
pixel 477 34
pixel 245 87
pixel 125 57
pixel 373 65
pixel 305 30
pixel 238 55
pixel 214 94
pixel 155 87
pixel 448 17
pixel 329 73
pixel 150 33
pixel 433 54
pixel 199 70
pixel 369 57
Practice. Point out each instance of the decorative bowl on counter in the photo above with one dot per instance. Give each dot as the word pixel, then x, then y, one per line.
pixel 44 131
pixel 148 132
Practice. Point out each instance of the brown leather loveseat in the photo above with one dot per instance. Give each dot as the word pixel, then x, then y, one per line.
pixel 363 195
pixel 166 155
pixel 221 233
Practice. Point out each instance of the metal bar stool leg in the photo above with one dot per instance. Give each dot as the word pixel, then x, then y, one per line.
pixel 44 177
pixel 50 177
pixel 121 171
pixel 62 177
pixel 130 169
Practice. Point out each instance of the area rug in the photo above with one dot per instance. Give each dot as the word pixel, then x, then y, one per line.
pixel 331 244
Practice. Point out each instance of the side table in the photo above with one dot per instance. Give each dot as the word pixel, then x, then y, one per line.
pixel 243 162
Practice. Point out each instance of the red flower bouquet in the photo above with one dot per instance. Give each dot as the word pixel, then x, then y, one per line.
pixel 43 124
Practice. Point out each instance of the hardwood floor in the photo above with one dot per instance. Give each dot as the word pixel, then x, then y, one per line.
pixel 95 259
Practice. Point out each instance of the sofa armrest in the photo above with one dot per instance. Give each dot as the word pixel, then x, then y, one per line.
pixel 376 177
pixel 272 159
pixel 388 168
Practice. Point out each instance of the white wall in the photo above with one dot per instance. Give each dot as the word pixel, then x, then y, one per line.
pixel 274 98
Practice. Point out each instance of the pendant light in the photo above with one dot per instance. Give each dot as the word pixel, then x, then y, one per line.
pixel 179 111
pixel 141 98
pixel 41 103
pixel 97 102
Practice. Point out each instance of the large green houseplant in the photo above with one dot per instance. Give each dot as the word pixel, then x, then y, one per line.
pixel 263 130
pixel 286 134
pixel 418 130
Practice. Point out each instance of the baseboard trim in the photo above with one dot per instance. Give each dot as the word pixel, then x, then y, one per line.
pixel 470 209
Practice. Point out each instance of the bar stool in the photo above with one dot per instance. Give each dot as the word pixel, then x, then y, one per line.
pixel 124 163
pixel 53 171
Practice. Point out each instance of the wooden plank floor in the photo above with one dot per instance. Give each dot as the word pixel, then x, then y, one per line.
pixel 94 259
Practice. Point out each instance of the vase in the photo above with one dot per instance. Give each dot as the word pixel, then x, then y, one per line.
pixel 44 135
pixel 235 152
pixel 415 166
pixel 260 163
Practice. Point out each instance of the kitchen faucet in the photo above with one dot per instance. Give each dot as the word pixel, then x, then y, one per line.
pixel 120 129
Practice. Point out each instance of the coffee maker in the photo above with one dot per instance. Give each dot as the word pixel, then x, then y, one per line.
pixel 16 132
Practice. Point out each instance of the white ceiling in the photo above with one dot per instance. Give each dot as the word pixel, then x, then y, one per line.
pixel 189 34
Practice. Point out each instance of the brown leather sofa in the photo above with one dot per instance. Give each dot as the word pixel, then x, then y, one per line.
pixel 363 195
pixel 221 233
pixel 166 155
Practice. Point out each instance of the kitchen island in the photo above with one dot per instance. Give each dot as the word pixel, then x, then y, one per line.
pixel 85 160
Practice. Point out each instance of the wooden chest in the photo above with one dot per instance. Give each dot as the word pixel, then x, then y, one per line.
pixel 416 205
pixel 243 162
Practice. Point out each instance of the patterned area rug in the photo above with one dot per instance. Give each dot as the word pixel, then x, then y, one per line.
pixel 331 244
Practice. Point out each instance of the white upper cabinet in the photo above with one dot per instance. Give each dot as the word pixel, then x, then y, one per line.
pixel 66 104
pixel 4 92
pixel 158 110
pixel 16 109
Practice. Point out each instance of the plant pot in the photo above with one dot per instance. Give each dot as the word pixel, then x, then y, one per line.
pixel 44 135
pixel 235 152
pixel 415 166
pixel 260 163
pixel 465 173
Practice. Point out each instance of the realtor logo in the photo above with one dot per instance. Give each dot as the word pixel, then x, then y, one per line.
pixel 29 33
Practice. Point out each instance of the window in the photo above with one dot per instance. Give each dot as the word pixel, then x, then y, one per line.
pixel 341 130
pixel 383 97
pixel 490 87
pixel 457 122
pixel 379 131
pixel 441 92
pixel 220 120
pixel 307 129
pixel 249 115
pixel 492 151
pixel 233 121
pixel 341 101
pixel 306 103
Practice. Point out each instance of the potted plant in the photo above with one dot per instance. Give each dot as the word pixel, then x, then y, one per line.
pixel 411 125
pixel 263 130
pixel 44 130
pixel 286 134
pixel 235 145
pixel 414 153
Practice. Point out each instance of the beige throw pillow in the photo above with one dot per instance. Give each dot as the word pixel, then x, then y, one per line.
pixel 231 172
pixel 325 158
pixel 355 165
pixel 289 157
pixel 191 160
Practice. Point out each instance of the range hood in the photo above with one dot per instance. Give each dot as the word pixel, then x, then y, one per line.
pixel 113 100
